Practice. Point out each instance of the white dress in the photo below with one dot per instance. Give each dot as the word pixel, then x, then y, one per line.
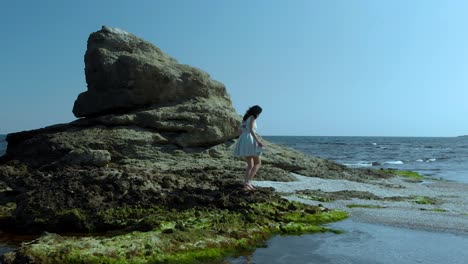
pixel 246 145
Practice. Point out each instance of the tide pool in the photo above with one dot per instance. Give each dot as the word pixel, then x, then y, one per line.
pixel 363 243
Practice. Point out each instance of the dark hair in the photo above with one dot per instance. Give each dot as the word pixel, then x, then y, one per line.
pixel 253 111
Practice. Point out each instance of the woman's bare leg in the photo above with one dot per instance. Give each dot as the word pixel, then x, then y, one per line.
pixel 250 166
pixel 256 166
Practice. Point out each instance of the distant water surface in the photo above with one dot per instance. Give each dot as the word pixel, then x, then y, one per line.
pixel 445 158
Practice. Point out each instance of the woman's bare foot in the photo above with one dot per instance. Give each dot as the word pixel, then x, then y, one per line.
pixel 248 187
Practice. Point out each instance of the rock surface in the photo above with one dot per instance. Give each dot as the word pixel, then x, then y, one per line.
pixel 126 72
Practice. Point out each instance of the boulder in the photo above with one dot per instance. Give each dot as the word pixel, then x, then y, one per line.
pixel 132 82
pixel 124 72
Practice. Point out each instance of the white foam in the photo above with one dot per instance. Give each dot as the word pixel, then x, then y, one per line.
pixel 431 160
pixel 359 165
pixel 375 144
pixel 394 162
pixel 420 160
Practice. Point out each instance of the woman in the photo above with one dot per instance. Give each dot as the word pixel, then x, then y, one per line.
pixel 249 146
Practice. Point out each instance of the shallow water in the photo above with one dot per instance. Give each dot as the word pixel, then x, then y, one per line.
pixel 363 244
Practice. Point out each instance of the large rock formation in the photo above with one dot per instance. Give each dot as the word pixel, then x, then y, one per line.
pixel 126 74
pixel 153 132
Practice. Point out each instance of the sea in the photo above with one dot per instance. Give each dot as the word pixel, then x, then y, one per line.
pixel 439 157
pixel 363 243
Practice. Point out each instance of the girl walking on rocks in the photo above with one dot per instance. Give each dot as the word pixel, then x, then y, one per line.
pixel 248 145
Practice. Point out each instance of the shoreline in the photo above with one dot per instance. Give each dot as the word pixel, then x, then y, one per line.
pixel 430 205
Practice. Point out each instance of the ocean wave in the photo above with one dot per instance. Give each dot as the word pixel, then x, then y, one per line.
pixel 426 160
pixel 359 164
pixel 394 162
pixel 363 164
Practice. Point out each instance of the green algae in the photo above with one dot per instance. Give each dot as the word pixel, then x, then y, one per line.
pixel 424 200
pixel 318 195
pixel 438 210
pixel 321 196
pixel 410 175
pixel 364 206
pixel 77 214
pixel 182 236
pixel 6 209
pixel 315 198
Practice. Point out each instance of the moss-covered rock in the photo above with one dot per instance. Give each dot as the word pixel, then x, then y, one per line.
pixel 424 200
pixel 321 196
pixel 7 209
pixel 438 210
pixel 409 175
pixel 179 236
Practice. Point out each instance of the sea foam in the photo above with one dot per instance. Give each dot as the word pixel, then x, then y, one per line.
pixel 394 162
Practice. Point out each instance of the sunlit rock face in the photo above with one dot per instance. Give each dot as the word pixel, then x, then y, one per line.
pixel 132 78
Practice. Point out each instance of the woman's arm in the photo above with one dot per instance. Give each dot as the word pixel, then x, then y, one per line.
pixel 252 123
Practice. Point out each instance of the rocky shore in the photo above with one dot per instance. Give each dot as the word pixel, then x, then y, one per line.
pixel 408 200
pixel 146 172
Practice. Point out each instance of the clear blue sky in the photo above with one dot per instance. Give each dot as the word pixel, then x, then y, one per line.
pixel 336 68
